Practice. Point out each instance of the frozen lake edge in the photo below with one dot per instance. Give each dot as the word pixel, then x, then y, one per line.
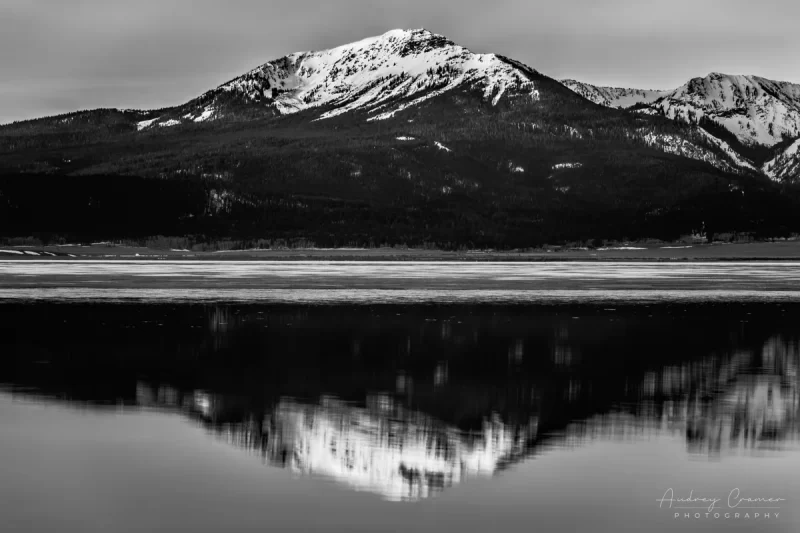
pixel 397 282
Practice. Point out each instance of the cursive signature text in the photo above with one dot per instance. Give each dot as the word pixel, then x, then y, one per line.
pixel 734 500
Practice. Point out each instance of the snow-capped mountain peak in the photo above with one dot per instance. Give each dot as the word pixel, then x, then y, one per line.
pixel 756 110
pixel 380 75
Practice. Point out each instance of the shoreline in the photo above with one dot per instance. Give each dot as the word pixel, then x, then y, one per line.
pixel 745 252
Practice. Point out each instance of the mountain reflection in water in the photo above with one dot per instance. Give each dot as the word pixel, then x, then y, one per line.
pixel 381 448
pixel 406 402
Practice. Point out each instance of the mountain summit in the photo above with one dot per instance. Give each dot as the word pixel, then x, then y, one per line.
pixel 377 76
pixel 756 110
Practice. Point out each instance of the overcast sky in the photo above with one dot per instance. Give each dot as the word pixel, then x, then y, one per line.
pixel 63 55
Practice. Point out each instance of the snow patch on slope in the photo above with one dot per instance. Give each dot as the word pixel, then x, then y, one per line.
pixel 726 148
pixel 145 124
pixel 560 166
pixel 205 115
pixel 440 146
pixel 784 165
pixel 674 144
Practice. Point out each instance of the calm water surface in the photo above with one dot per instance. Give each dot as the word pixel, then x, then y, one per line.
pixel 206 417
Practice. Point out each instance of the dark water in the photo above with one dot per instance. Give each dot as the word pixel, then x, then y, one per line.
pixel 124 417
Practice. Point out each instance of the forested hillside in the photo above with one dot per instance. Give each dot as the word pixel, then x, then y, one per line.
pixel 453 166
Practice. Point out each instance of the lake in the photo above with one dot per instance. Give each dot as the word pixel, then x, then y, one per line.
pixel 242 396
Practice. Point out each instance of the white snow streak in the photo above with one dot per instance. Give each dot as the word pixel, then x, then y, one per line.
pixel 145 124
pixel 440 146
pixel 205 115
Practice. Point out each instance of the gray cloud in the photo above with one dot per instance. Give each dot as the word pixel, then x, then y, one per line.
pixel 61 55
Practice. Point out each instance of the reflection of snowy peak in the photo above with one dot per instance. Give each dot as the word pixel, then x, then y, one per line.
pixel 744 401
pixel 385 449
pixel 748 403
pixel 614 96
pixel 754 406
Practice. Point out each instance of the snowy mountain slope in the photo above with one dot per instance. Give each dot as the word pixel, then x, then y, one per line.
pixel 754 109
pixel 757 113
pixel 678 145
pixel 614 96
pixel 785 165
pixel 734 156
pixel 379 75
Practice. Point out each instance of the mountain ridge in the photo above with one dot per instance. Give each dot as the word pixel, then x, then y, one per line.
pixel 357 78
pixel 405 137
pixel 755 111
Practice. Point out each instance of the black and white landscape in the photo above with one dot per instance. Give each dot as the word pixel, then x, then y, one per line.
pixel 397 284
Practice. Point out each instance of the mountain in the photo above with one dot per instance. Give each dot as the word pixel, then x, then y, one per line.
pixel 378 76
pixel 403 138
pixel 757 119
pixel 755 110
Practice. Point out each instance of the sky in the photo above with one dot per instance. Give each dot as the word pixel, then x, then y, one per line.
pixel 58 56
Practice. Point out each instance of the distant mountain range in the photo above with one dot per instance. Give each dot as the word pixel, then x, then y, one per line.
pixel 410 138
pixel 744 113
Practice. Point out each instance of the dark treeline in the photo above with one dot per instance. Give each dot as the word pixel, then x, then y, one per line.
pixel 91 208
